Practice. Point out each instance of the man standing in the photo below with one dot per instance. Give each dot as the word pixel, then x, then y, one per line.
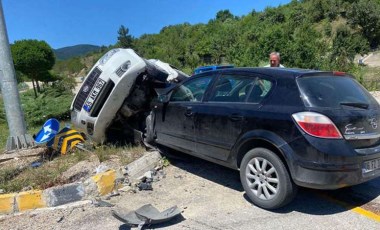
pixel 274 60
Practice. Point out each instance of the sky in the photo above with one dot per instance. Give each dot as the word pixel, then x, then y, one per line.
pixel 63 23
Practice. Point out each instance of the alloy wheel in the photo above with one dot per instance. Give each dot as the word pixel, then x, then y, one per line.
pixel 262 178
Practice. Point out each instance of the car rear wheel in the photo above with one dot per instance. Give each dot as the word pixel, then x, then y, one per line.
pixel 265 179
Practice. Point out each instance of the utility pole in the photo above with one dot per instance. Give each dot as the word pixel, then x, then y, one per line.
pixel 18 138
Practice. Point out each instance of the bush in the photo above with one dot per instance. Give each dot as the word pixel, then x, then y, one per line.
pixel 54 101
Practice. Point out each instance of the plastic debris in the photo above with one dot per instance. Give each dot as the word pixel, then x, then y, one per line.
pixel 36 164
pixel 147 215
pixel 145 185
pixel 101 169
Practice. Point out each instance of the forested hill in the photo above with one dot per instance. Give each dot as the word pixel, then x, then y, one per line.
pixel 318 34
pixel 74 51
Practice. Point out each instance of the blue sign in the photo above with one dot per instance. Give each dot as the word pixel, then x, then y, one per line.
pixel 48 131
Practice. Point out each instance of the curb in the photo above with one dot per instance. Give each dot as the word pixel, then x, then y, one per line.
pixel 98 185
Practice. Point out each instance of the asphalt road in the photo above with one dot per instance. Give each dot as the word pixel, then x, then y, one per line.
pixel 211 197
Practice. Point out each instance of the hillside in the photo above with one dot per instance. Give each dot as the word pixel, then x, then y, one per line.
pixel 315 34
pixel 75 51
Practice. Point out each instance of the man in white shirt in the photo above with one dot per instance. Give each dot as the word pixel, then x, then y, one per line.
pixel 274 60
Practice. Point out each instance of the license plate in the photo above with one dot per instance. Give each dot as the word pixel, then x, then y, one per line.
pixel 371 165
pixel 94 94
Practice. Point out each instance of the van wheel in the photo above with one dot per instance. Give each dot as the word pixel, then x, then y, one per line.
pixel 265 179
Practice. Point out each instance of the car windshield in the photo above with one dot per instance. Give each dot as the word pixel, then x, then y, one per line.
pixel 334 92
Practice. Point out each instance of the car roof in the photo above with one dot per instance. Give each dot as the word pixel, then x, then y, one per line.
pixel 213 66
pixel 283 72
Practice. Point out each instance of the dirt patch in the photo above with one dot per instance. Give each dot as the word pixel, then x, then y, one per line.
pixel 81 170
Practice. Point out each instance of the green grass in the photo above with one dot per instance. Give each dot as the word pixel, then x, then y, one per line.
pixel 126 153
pixel 368 77
pixel 4 133
pixel 14 178
pixel 53 101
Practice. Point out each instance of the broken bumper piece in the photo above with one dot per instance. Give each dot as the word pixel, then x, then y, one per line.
pixel 147 215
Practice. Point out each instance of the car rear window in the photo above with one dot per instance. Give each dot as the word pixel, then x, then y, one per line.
pixel 334 92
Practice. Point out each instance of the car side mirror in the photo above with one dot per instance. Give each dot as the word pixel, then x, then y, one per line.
pixel 164 98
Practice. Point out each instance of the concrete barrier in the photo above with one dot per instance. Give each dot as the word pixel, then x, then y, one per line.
pixel 99 185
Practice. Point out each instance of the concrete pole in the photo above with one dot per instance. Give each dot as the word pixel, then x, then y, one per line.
pixel 18 138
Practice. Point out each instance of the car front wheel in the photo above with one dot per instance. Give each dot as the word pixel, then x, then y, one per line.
pixel 265 179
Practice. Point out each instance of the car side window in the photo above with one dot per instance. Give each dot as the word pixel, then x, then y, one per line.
pixel 192 90
pixel 259 90
pixel 231 88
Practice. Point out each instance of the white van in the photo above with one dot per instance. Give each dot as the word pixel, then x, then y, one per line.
pixel 115 96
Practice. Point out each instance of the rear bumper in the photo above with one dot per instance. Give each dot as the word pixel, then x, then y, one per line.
pixel 327 176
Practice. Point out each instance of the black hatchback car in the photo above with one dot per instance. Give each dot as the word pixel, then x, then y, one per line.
pixel 282 128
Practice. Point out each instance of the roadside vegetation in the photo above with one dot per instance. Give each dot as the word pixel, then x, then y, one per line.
pixel 315 34
pixel 15 177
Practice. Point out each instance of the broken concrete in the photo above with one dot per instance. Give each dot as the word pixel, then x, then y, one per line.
pixel 64 194
pixel 139 167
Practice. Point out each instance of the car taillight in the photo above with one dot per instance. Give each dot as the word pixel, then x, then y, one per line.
pixel 339 73
pixel 317 125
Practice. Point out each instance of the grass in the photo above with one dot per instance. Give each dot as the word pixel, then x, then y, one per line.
pixel 127 153
pixel 368 77
pixel 53 101
pixel 4 133
pixel 15 178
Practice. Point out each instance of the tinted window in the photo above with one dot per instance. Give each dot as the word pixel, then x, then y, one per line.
pixel 192 90
pixel 332 91
pixel 240 88
pixel 230 88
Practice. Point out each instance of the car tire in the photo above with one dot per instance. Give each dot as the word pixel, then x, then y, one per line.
pixel 266 180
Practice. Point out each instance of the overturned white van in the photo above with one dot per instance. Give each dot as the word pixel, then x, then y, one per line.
pixel 115 96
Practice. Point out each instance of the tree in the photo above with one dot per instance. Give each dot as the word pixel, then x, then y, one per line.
pixel 223 15
pixel 124 38
pixel 344 48
pixel 33 58
pixel 365 14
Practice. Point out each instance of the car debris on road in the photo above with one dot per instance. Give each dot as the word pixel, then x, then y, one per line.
pixel 147 215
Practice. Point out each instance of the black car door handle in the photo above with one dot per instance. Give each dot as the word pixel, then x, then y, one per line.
pixel 189 112
pixel 236 117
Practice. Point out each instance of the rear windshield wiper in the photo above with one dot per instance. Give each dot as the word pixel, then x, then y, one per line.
pixel 356 104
